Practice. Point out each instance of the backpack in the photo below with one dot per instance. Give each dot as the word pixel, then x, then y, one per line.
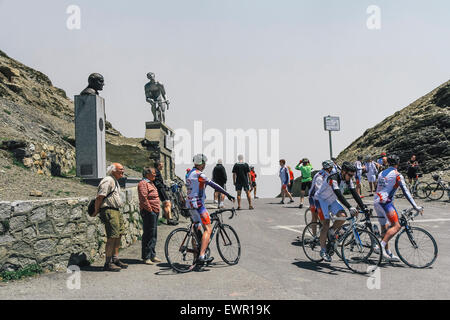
pixel 91 206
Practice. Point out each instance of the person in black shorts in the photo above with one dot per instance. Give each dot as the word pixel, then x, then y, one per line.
pixel 412 169
pixel 219 176
pixel 241 179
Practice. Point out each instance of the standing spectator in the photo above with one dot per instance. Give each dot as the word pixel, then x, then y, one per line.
pixel 149 206
pixel 371 171
pixel 412 169
pixel 108 203
pixel 382 163
pixel 305 167
pixel 241 178
pixel 285 178
pixel 159 183
pixel 253 181
pixel 358 176
pixel 219 177
pixel 291 179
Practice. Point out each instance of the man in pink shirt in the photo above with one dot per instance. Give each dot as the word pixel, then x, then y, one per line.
pixel 149 204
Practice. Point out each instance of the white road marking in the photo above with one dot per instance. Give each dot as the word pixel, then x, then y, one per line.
pixel 432 220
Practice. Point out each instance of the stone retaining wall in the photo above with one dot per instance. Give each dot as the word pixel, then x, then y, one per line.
pixel 57 233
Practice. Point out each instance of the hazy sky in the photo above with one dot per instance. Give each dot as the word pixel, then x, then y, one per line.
pixel 241 64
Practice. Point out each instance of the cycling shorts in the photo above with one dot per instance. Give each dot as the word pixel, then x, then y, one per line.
pixel 327 209
pixel 305 185
pixel 386 212
pixel 314 205
pixel 372 177
pixel 200 215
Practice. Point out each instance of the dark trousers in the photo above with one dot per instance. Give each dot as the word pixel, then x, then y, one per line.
pixel 150 225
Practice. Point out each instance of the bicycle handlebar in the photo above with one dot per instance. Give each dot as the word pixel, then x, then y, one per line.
pixel 220 211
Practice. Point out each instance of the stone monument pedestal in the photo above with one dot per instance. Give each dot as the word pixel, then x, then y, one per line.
pixel 159 141
pixel 90 136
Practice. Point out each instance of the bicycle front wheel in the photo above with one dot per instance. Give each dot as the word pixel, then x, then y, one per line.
pixel 436 191
pixel 228 244
pixel 359 251
pixel 181 250
pixel 422 190
pixel 416 247
pixel 311 241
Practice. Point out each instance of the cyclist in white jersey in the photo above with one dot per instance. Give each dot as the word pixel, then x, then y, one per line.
pixel 317 182
pixel 389 181
pixel 196 182
pixel 331 198
pixel 371 171
pixel 358 176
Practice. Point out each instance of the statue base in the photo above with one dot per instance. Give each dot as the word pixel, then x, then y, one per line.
pixel 159 141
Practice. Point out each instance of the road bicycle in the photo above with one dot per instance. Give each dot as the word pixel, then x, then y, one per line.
pixel 438 188
pixel 177 198
pixel 182 247
pixel 418 189
pixel 415 246
pixel 355 245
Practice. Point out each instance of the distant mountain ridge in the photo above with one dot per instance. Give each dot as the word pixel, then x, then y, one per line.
pixel 421 128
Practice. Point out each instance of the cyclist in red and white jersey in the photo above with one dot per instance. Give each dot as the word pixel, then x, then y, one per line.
pixel 196 182
pixel 389 181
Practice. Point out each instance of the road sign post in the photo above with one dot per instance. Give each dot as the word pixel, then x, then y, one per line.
pixel 331 124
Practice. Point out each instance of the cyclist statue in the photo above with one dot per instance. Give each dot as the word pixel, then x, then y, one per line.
pixel 156 95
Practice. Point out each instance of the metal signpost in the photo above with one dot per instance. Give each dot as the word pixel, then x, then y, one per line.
pixel 331 124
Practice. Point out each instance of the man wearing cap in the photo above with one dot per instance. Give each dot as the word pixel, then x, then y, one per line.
pixel 306 168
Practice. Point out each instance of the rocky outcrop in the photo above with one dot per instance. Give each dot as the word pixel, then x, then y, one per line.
pixel 41 117
pixel 422 128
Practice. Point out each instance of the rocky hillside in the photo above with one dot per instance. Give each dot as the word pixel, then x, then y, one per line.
pixel 37 124
pixel 422 128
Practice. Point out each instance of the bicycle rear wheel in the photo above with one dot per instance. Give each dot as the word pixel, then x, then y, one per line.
pixel 228 244
pixel 181 250
pixel 436 191
pixel 358 251
pixel 422 190
pixel 311 241
pixel 416 247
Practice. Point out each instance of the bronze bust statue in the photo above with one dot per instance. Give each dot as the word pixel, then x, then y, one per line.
pixel 96 83
pixel 156 95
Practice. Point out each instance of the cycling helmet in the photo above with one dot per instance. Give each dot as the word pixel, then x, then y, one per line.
pixel 360 158
pixel 349 167
pixel 200 159
pixel 150 75
pixel 327 164
pixel 305 160
pixel 393 159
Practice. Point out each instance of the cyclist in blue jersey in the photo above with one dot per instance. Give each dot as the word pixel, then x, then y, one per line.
pixel 389 181
pixel 196 182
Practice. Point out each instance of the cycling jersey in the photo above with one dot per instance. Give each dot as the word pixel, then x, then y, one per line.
pixel 317 182
pixel 330 191
pixel 371 169
pixel 388 182
pixel 196 182
pixel 284 175
pixel 359 169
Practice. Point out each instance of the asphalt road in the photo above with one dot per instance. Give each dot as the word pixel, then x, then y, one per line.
pixel 272 266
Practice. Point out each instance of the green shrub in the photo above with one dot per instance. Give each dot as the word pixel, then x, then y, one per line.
pixel 27 271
